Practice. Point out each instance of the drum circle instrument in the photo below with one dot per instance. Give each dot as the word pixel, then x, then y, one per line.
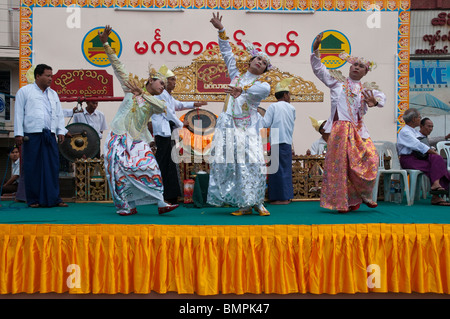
pixel 201 121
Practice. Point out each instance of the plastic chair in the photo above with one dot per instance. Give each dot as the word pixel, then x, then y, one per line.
pixel 418 181
pixel 390 149
pixel 444 146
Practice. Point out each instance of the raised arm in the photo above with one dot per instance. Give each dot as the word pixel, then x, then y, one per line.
pixel 118 67
pixel 224 46
pixel 319 69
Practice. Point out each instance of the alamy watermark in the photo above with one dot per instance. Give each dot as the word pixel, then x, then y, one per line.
pixel 73 21
pixel 373 21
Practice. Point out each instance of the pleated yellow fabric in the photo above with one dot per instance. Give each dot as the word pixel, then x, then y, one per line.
pixel 209 260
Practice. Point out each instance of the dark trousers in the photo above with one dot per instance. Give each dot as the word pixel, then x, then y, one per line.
pixel 169 171
pixel 41 169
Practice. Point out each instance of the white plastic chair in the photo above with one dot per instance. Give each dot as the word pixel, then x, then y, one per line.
pixel 390 149
pixel 444 146
pixel 418 181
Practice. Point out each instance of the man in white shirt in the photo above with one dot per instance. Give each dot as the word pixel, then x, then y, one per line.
pixel 319 146
pixel 426 127
pixel 91 116
pixel 162 126
pixel 38 122
pixel 417 155
pixel 280 117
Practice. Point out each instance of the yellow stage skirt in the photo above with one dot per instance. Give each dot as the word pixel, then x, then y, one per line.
pixel 209 260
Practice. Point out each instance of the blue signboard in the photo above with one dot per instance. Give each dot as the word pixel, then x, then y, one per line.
pixel 428 85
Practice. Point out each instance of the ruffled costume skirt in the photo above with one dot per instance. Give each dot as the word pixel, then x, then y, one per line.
pixel 132 172
pixel 237 166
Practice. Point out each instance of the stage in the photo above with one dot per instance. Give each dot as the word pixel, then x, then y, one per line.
pixel 301 248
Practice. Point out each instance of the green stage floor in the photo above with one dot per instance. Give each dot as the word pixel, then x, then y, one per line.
pixel 296 213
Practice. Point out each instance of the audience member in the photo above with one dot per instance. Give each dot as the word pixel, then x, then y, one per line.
pixel 426 127
pixel 11 185
pixel 417 155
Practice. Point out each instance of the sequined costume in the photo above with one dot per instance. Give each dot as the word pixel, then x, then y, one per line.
pixel 351 161
pixel 131 169
pixel 237 167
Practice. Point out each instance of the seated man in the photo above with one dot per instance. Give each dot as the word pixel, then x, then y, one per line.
pixel 11 185
pixel 426 127
pixel 319 146
pixel 417 155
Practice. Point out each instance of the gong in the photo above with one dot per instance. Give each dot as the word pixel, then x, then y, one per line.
pixel 82 141
pixel 201 121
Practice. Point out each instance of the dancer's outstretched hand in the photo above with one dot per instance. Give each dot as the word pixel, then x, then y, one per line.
pixel 217 21
pixel 134 87
pixel 317 41
pixel 105 34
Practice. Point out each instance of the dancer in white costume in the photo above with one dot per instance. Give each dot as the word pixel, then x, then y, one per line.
pixel 237 167
pixel 131 169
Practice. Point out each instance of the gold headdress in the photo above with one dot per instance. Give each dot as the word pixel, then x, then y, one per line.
pixel 370 65
pixel 316 124
pixel 153 74
pixel 283 85
pixel 164 70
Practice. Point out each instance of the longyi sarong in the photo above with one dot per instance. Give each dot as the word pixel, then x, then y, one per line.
pixel 41 169
pixel 350 169
pixel 280 183
pixel 435 167
pixel 132 172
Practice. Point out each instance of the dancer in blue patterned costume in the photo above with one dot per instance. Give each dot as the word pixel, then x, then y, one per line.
pixel 131 168
pixel 237 167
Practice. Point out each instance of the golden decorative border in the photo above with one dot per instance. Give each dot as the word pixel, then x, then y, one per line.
pixel 186 88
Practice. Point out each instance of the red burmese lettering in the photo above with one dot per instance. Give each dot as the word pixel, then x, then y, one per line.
pixel 139 49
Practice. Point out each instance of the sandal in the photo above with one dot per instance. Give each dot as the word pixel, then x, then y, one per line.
pixel 370 203
pixel 263 211
pixel 441 203
pixel 439 191
pixel 34 205
pixel 351 208
pixel 132 211
pixel 240 212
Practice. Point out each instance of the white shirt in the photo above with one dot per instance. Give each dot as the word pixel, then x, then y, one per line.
pixel 35 110
pixel 97 120
pixel 68 112
pixel 339 99
pixel 407 141
pixel 280 116
pixel 318 146
pixel 15 167
pixel 160 122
